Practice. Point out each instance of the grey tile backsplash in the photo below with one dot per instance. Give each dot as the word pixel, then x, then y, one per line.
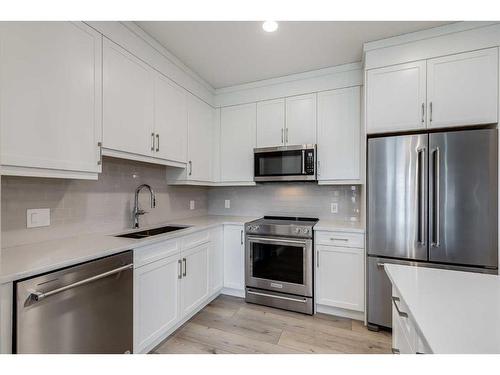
pixel 301 199
pixel 79 206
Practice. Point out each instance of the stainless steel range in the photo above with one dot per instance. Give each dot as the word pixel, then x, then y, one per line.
pixel 279 262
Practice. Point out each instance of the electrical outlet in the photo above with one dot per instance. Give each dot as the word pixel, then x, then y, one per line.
pixel 227 203
pixel 39 217
pixel 334 208
pixel 191 205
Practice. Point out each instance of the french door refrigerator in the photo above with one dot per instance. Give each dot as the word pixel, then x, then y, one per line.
pixel 432 201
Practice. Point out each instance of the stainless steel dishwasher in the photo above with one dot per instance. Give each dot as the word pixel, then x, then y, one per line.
pixel 86 308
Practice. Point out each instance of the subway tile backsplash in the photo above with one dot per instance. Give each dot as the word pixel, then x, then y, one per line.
pixel 300 199
pixel 79 206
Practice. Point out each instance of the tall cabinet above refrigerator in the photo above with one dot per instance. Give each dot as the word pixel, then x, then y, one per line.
pixel 432 201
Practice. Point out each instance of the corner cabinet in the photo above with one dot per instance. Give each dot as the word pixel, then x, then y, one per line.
pixel 237 141
pixel 449 91
pixel 50 99
pixel 339 136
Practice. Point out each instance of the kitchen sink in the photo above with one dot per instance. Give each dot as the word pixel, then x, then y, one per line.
pixel 153 232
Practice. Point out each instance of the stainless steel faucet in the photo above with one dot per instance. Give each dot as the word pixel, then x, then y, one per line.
pixel 138 212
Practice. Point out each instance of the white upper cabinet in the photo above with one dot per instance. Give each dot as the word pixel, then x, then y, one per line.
pixel 200 140
pixel 237 141
pixel 127 102
pixel 271 123
pixel 50 99
pixel 300 120
pixel 462 89
pixel 170 120
pixel 339 135
pixel 396 98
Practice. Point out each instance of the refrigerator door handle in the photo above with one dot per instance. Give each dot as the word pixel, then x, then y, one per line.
pixel 435 200
pixel 421 195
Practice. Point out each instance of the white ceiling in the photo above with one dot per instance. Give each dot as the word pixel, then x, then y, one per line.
pixel 231 53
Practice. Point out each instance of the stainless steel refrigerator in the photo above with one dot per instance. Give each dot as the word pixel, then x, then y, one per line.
pixel 432 201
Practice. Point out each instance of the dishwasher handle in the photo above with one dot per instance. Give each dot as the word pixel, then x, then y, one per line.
pixel 37 296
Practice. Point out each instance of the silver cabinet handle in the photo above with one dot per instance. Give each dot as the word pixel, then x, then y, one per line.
pixel 435 201
pixel 401 313
pixel 380 265
pixel 286 138
pixel 430 112
pixel 190 167
pixel 152 141
pixel 241 237
pixel 423 113
pixel 157 142
pixel 395 351
pixel 282 135
pixel 99 146
pixel 179 275
pixel 338 239
pixel 317 258
pixel 184 262
pixel 302 300
pixel 421 198
pixel 37 296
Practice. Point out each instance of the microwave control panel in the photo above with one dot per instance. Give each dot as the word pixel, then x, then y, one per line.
pixel 309 167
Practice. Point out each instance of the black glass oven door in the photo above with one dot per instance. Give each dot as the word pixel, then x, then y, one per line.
pixel 280 264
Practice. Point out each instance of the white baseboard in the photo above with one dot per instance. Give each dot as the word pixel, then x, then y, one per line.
pixel 356 315
pixel 233 292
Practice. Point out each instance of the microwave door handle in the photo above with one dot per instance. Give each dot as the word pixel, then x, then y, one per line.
pixel 303 161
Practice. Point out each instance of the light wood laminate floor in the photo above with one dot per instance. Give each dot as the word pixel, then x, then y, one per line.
pixel 230 325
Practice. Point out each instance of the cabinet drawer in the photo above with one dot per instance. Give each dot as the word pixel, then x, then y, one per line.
pixel 401 317
pixel 151 253
pixel 195 239
pixel 343 239
pixel 400 342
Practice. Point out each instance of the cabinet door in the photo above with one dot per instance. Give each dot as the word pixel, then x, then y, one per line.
pixel 234 257
pixel 462 89
pixel 216 260
pixel 396 98
pixel 156 300
pixel 301 120
pixel 340 277
pixel 170 121
pixel 194 285
pixel 127 102
pixel 339 138
pixel 200 139
pixel 50 95
pixel 271 123
pixel 237 142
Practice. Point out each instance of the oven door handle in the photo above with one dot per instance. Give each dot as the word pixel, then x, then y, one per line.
pixel 276 240
pixel 302 300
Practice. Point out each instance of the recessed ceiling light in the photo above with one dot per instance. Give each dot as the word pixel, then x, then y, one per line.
pixel 270 26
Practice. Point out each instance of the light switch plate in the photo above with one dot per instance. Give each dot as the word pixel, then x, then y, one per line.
pixel 191 205
pixel 227 203
pixel 334 208
pixel 38 217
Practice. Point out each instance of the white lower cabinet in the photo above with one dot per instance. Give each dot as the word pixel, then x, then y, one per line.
pixel 171 282
pixel 216 260
pixel 194 282
pixel 234 258
pixel 340 274
pixel 156 300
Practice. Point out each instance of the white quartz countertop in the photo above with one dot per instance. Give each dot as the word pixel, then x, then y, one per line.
pixel 23 261
pixel 454 311
pixel 339 226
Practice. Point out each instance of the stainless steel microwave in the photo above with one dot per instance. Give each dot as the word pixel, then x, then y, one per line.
pixel 285 163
